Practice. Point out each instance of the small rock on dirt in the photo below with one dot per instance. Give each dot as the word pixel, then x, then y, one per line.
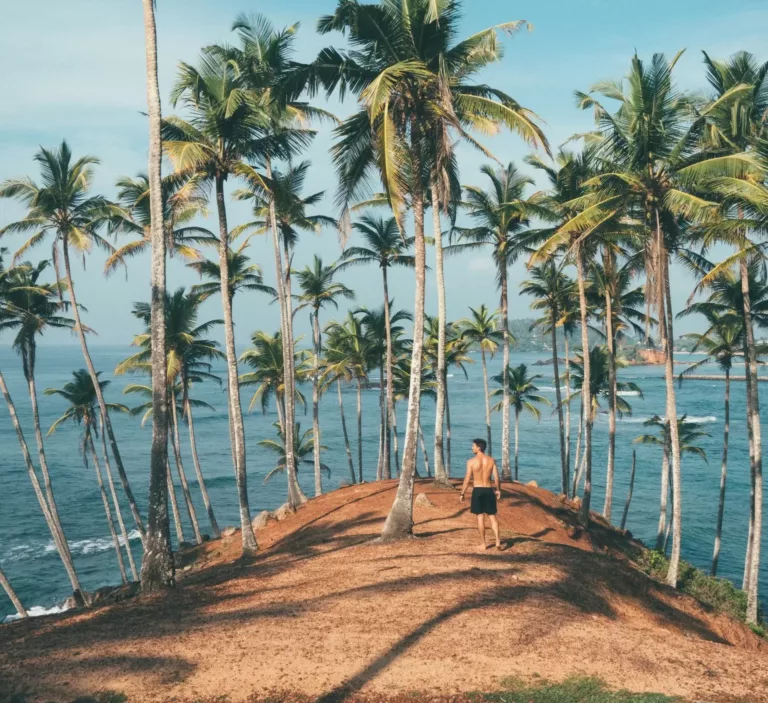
pixel 423 501
pixel 114 594
pixel 228 531
pixel 532 484
pixel 284 511
pixel 262 519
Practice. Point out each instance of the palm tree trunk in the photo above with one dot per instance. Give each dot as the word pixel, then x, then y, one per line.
pixel 609 335
pixel 63 550
pixel 233 385
pixel 577 456
pixel 88 445
pixel 116 504
pixel 103 406
pixel 488 431
pixel 5 583
pixel 399 522
pixel 391 420
pixel 344 431
pixel 424 452
pixel 174 504
pixel 663 506
pixel 559 402
pixel 629 493
pixel 157 569
pixel 754 410
pixel 441 475
pixel 395 440
pixel 316 403
pixel 191 512
pixel 295 495
pixel 723 473
pixel 29 360
pixel 447 432
pixel 215 531
pixel 382 468
pixel 567 414
pixel 750 435
pixel 506 472
pixel 517 442
pixel 360 430
pixel 665 325
pixel 586 390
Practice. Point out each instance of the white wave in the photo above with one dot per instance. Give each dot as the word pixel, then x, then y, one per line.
pixel 93 546
pixel 688 420
pixel 628 393
pixel 551 389
pixel 36 611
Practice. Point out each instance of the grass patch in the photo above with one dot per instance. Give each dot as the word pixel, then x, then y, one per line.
pixel 574 690
pixel 719 593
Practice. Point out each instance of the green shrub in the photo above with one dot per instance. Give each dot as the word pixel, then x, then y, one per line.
pixel 574 690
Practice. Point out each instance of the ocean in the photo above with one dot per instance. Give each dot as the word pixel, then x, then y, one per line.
pixel 30 561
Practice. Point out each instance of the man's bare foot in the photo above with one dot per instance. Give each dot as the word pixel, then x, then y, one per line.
pixel 498 546
pixel 482 547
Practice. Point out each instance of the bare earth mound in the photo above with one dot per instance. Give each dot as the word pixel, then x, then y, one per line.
pixel 324 611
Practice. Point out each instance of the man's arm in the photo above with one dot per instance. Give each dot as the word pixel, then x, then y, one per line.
pixel 465 485
pixel 497 480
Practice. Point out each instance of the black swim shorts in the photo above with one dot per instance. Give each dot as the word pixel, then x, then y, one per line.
pixel 483 501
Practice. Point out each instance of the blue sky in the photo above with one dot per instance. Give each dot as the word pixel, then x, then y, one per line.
pixel 75 70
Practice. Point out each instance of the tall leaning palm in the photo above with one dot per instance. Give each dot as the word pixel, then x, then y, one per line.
pixel 481 330
pixel 405 87
pixel 319 290
pixel 552 289
pixel 522 397
pixel 62 206
pixel 211 144
pixel 384 246
pixel 500 216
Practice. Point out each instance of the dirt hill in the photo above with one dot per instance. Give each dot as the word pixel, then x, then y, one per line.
pixel 327 612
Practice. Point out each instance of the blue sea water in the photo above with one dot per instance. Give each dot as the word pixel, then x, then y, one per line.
pixel 29 559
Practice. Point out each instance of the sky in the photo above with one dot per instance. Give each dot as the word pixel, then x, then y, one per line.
pixel 76 71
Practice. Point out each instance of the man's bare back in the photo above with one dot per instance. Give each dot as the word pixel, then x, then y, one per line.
pixel 484 474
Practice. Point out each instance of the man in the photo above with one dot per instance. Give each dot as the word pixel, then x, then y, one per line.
pixel 482 470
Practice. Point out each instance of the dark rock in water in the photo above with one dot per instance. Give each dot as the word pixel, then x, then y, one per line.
pixel 114 594
pixel 185 545
pixel 206 538
pixel 547 362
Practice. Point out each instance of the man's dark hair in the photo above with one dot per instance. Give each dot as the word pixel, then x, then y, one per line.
pixel 481 443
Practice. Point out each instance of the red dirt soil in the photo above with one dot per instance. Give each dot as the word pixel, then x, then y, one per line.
pixel 326 612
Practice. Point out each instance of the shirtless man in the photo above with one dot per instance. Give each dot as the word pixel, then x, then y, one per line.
pixel 482 471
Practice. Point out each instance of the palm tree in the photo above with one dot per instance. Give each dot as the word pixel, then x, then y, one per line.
pixel 500 216
pixel 56 533
pixel 688 432
pixel 81 396
pixel 189 357
pixel 406 86
pixel 618 306
pixel 6 584
pixel 63 207
pixel 157 567
pixel 522 397
pixel 29 307
pixel 375 324
pixel 603 384
pixel 221 132
pixel 183 200
pixel 552 289
pixel 722 342
pixel 481 330
pixel 348 352
pixel 304 445
pixel 318 289
pixel 384 246
pixel 650 144
pixel 735 124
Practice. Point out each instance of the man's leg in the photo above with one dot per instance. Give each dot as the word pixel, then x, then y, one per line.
pixel 495 528
pixel 481 530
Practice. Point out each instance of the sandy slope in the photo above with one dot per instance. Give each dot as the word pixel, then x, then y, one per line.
pixel 325 611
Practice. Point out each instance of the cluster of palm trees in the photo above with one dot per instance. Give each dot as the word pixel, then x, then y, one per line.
pixel 664 175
